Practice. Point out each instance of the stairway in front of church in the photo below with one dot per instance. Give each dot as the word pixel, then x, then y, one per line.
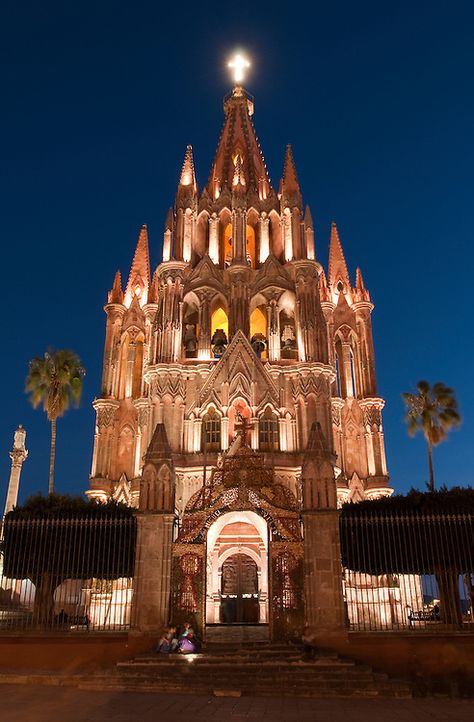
pixel 252 667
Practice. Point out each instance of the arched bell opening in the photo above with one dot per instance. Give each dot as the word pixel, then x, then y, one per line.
pixel 237 569
pixel 288 338
pixel 191 326
pixel 219 331
pixel 258 331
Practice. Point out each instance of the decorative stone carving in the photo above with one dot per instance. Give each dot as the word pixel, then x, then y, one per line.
pixel 372 416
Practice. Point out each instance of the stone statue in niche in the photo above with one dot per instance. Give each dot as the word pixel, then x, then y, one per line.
pixel 219 342
pixel 258 343
pixel 190 339
pixel 288 338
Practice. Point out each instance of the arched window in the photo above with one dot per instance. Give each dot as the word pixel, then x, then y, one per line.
pixel 268 433
pixel 211 431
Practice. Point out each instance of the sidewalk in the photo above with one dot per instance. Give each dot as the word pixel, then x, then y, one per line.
pixel 43 704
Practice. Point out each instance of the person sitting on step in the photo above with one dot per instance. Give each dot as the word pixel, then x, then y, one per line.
pixel 188 642
pixel 168 641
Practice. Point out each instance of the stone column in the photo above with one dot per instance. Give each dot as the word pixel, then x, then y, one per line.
pixel 224 433
pixel 155 535
pixel 264 236
pixel 254 431
pixel 273 330
pixel 204 341
pixel 323 571
pixel 239 245
pixel 105 412
pixel 153 571
pixel 214 238
pixel 18 455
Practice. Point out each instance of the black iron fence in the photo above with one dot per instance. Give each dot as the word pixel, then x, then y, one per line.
pixel 410 571
pixel 67 574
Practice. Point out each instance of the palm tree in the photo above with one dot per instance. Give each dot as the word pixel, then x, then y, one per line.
pixel 433 410
pixel 55 381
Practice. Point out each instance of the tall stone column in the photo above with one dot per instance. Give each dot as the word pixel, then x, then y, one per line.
pixel 18 455
pixel 264 236
pixel 273 326
pixel 155 536
pixel 153 571
pixel 239 236
pixel 105 412
pixel 204 340
pixel 214 238
pixel 115 313
pixel 323 572
pixel 239 316
pixel 168 322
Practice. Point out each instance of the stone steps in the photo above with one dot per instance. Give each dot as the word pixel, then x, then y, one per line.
pixel 263 669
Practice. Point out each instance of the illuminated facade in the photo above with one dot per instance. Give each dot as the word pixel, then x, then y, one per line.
pixel 239 346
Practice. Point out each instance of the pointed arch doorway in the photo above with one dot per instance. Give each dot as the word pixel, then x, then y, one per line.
pixel 237 569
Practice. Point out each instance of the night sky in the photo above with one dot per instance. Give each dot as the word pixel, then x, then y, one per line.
pixel 98 102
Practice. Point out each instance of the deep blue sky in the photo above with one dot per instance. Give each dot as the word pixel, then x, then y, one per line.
pixel 98 101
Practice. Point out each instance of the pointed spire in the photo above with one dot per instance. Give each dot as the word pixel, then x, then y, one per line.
pixel 309 234
pixel 238 138
pixel 188 177
pixel 153 292
pixel 169 222
pixel 324 292
pixel 317 445
pixel 337 270
pixel 359 280
pixel 139 278
pixel 290 179
pixel 362 294
pixel 159 447
pixel 116 294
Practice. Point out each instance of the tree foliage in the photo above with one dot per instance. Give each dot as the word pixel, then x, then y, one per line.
pixel 51 539
pixel 432 410
pixel 429 533
pixel 55 382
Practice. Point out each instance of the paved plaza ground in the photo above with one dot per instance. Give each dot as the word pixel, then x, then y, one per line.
pixel 21 703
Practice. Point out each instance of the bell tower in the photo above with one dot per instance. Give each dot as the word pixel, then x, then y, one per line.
pixel 239 318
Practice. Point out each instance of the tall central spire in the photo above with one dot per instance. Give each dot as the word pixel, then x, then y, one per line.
pixel 238 151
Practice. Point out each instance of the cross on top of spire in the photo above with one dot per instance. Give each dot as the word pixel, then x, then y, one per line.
pixel 239 64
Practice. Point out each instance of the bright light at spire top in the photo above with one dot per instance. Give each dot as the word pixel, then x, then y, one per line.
pixel 238 65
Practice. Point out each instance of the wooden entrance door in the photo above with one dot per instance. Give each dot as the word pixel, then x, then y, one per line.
pixel 239 591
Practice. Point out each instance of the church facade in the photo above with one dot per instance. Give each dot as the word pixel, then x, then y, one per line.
pixel 239 405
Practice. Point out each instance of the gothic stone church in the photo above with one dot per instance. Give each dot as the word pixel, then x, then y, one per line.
pixel 239 405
